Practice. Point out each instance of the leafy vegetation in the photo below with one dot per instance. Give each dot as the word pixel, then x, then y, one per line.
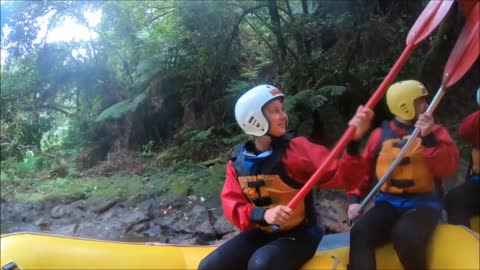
pixel 144 103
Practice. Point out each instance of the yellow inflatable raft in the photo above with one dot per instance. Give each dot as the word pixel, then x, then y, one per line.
pixel 453 247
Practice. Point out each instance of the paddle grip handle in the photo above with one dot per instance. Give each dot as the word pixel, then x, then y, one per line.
pixel 349 221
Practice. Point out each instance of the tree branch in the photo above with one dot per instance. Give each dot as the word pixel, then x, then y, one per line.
pixel 262 38
pixel 55 108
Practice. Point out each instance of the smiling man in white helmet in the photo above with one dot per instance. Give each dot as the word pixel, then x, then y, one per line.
pixel 410 202
pixel 264 174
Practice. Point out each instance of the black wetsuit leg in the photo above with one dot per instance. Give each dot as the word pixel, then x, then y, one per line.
pixel 462 202
pixel 373 229
pixel 411 235
pixel 256 249
pixel 235 253
pixel 289 250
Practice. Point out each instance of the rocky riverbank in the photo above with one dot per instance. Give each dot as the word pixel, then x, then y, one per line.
pixel 191 220
pixel 186 220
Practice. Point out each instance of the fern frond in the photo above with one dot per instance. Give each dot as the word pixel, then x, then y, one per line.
pixel 118 110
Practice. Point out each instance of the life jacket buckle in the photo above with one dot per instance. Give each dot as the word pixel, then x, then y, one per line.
pixel 404 161
pixel 256 184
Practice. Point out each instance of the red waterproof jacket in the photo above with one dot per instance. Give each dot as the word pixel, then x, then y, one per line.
pixel 470 129
pixel 301 159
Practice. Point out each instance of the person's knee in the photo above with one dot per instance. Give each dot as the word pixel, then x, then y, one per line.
pixel 360 232
pixel 406 239
pixel 211 262
pixel 454 199
pixel 264 259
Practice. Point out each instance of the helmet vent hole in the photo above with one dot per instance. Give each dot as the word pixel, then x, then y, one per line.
pixel 404 107
pixel 250 120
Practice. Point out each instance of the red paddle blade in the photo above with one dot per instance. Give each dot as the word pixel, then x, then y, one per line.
pixel 466 50
pixel 429 19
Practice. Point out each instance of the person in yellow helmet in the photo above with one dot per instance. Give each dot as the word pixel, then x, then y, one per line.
pixel 409 204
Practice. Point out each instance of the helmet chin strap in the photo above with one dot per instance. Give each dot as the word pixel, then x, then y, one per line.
pixel 274 137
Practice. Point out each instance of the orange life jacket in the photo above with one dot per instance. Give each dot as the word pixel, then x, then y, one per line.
pixel 267 185
pixel 270 191
pixel 412 175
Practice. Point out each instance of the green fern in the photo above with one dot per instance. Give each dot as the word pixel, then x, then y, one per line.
pixel 301 99
pixel 118 110
pixel 332 90
pixel 238 87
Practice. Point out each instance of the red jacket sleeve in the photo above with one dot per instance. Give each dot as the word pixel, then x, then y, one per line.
pixel 236 206
pixel 302 158
pixel 470 129
pixel 443 158
pixel 369 156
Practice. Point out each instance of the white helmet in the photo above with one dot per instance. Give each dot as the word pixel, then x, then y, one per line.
pixel 248 110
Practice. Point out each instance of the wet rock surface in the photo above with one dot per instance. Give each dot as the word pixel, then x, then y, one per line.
pixel 191 220
pixel 188 221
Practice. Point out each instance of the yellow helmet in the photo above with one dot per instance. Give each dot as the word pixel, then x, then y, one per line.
pixel 401 97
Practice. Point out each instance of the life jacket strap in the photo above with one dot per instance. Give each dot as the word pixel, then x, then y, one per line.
pixel 256 184
pixel 404 161
pixel 262 201
pixel 402 183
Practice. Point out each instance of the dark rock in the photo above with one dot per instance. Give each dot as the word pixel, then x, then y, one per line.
pixel 108 215
pixel 131 219
pixel 153 231
pixel 59 211
pixel 140 227
pixel 145 205
pixel 186 239
pixel 114 229
pixel 68 230
pixel 223 226
pixel 41 222
pixel 130 202
pixel 205 229
pixel 39 206
pixel 28 227
pixel 103 207
pixel 80 204
pixel 225 238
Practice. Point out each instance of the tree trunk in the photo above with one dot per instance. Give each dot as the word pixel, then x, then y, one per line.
pixel 306 39
pixel 275 19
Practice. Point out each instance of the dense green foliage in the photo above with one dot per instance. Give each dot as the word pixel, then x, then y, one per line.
pixel 160 78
